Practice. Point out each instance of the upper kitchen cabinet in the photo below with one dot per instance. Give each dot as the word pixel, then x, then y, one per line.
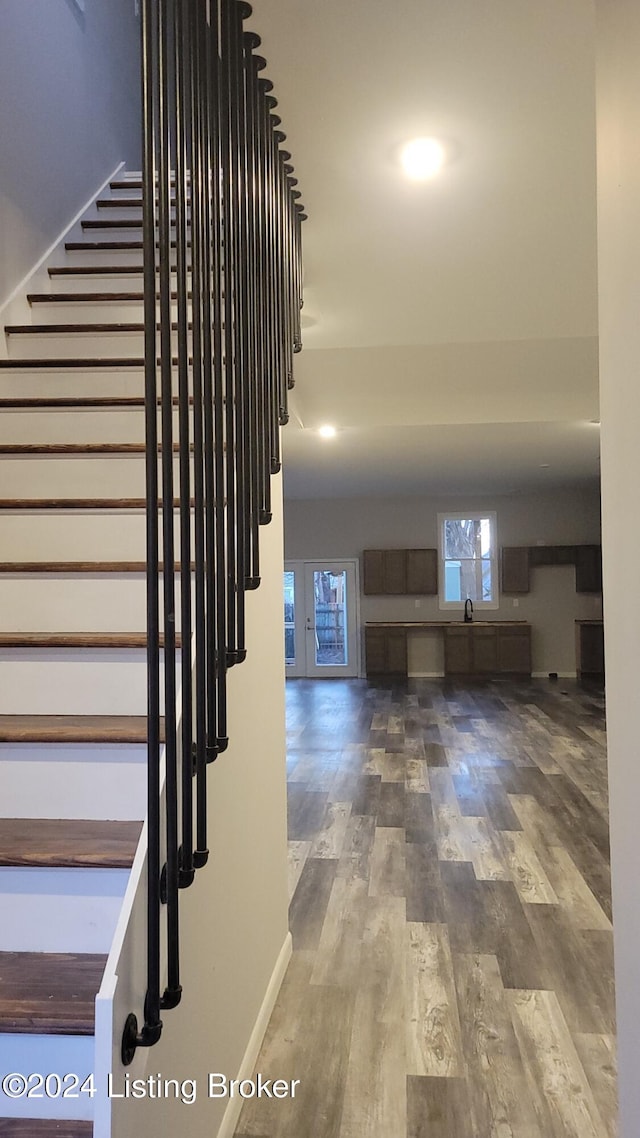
pixel 422 571
pixel 399 572
pixel 588 569
pixel 515 569
pixel 518 561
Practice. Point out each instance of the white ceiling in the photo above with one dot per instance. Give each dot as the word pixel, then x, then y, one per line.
pixel 449 326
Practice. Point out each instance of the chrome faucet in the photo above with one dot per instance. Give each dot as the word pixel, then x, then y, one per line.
pixel 468 610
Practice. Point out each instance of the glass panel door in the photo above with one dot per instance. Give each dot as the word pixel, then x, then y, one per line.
pixel 320 620
pixel 331 626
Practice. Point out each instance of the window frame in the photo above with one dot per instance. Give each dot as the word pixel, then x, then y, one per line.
pixel 472 515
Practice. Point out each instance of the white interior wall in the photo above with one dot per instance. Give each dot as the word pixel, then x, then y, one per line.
pixel 342 528
pixel 234 930
pixel 618 124
pixel 69 113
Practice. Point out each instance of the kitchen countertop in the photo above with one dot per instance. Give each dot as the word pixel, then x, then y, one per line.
pixel 446 623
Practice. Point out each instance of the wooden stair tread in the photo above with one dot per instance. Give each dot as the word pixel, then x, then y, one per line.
pixel 73 728
pixel 79 448
pixel 70 401
pixel 112 223
pixel 82 297
pixel 68 329
pixel 79 504
pixel 49 993
pixel 78 567
pixel 95 270
pixel 68 843
pixel 77 640
pixel 89 297
pixel 45 1128
pixel 109 246
pixel 91 364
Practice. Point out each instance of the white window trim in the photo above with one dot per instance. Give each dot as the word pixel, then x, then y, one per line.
pixel 458 606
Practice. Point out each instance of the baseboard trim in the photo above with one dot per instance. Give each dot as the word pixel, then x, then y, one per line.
pixel 234 1106
pixel 560 675
pixel 426 675
pixel 19 289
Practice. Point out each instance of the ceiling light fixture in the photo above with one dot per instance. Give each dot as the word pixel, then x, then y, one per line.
pixel 327 432
pixel 422 158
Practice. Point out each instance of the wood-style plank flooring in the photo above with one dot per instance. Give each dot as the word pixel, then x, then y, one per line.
pixel 452 974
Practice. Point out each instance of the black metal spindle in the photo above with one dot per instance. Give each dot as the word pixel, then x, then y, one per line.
pixel 207 118
pixel 196 186
pixel 252 568
pixel 151 1029
pixel 182 288
pixel 217 744
pixel 173 991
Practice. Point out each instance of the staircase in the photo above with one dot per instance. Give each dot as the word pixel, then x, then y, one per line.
pixel 72 650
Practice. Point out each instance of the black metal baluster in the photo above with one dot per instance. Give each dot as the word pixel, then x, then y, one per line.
pixel 196 195
pixel 152 1026
pixel 264 87
pixel 230 363
pixel 240 12
pixel 171 996
pixel 252 569
pixel 184 415
pixel 218 744
pixel 207 113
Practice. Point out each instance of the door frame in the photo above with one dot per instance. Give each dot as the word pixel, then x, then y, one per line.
pixel 299 670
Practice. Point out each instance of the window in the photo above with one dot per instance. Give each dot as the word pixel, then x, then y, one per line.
pixel 468 568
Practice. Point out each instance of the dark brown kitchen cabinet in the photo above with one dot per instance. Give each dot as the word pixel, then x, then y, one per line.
pixel 484 650
pixel 384 571
pixel 515 569
pixel 373 571
pixel 399 572
pixel 395 571
pixel 487 649
pixel 514 649
pixel 457 650
pixel 385 651
pixel 590 648
pixel 588 569
pixel 422 571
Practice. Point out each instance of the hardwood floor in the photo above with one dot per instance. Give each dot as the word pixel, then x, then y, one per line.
pixel 452 974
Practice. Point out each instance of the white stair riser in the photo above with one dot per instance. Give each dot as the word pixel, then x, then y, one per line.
pixel 103 256
pixel 99 535
pixel 73 780
pixel 68 604
pixel 74 312
pixel 92 282
pixel 75 383
pixel 70 681
pixel 85 476
pixel 59 910
pixel 79 345
pixel 77 425
pixel 112 233
pixel 45 1054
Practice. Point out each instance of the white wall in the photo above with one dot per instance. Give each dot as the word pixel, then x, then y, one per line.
pixel 234 918
pixel 618 108
pixel 342 528
pixel 69 113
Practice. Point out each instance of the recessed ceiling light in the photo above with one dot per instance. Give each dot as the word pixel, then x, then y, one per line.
pixel 544 465
pixel 327 432
pixel 422 158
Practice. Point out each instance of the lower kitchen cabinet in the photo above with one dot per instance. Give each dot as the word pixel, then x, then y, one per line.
pixel 386 651
pixel 487 649
pixel 475 649
pixel 514 649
